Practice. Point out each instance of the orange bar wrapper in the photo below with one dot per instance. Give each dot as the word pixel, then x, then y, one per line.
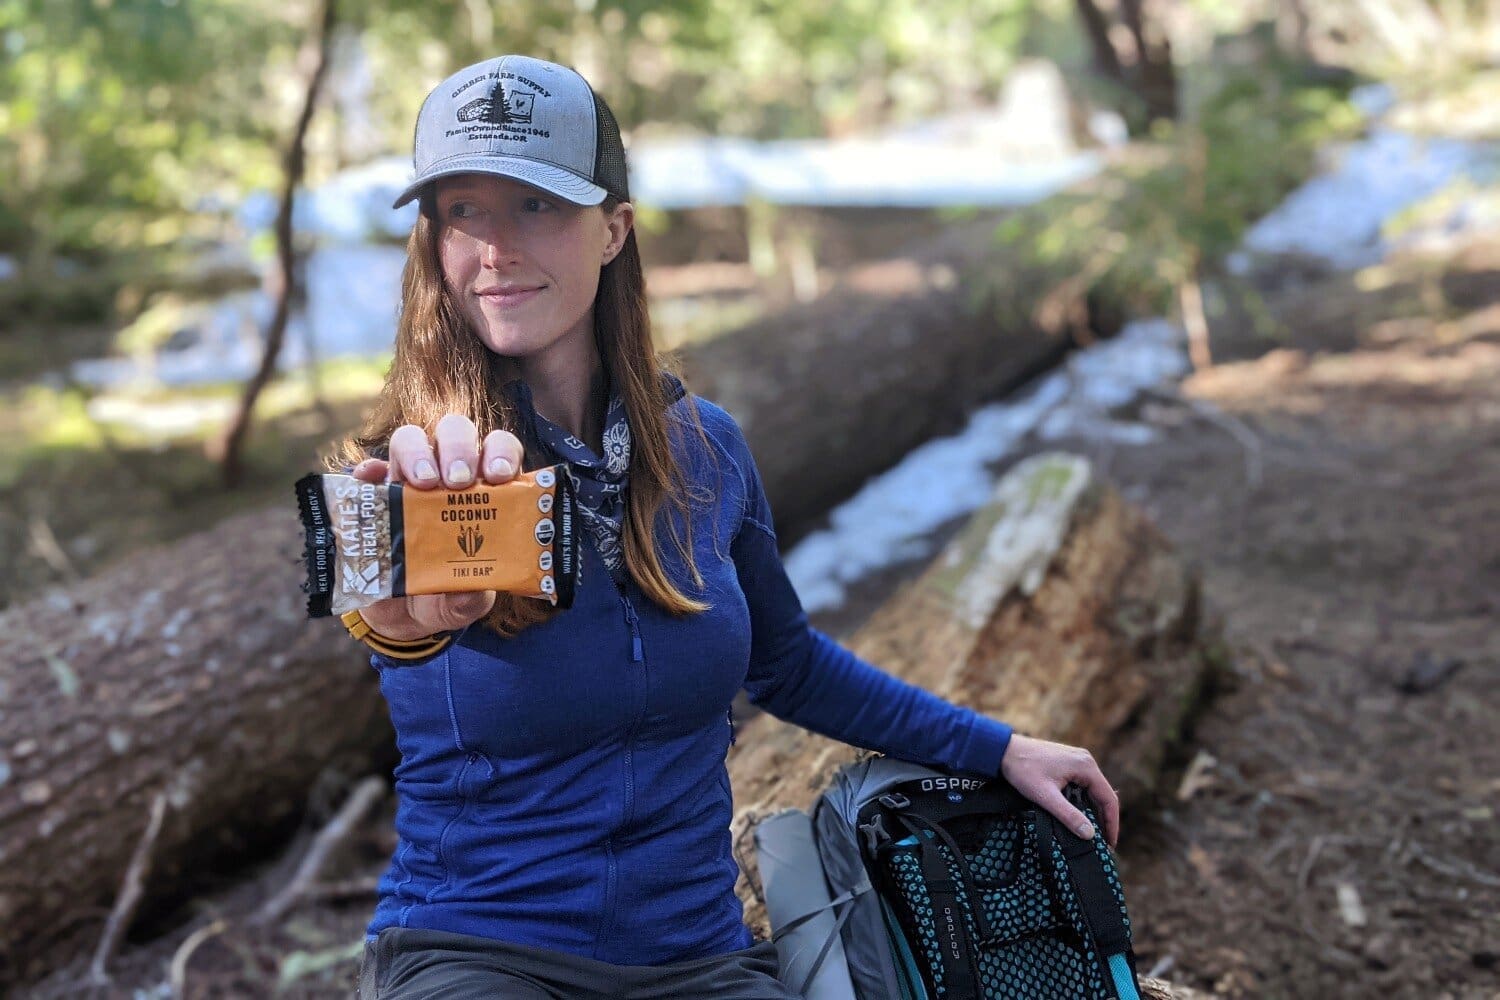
pixel 366 542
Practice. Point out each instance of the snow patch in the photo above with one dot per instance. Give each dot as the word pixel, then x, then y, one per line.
pixel 689 173
pixel 353 295
pixel 1339 215
pixel 890 519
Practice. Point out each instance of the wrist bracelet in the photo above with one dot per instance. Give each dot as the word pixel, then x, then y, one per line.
pixel 398 649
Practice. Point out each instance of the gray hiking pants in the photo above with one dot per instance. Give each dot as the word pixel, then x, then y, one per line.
pixel 407 964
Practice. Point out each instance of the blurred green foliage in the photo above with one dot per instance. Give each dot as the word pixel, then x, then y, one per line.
pixel 1171 210
pixel 117 113
pixel 132 126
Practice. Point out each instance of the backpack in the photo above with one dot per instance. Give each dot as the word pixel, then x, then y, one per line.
pixel 910 883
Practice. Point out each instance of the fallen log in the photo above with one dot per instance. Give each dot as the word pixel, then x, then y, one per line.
pixel 1288 306
pixel 901 352
pixel 189 672
pixel 1059 608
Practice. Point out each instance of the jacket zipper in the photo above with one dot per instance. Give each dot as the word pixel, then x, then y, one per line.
pixel 637 655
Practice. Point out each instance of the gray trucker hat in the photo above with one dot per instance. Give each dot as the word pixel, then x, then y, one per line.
pixel 524 118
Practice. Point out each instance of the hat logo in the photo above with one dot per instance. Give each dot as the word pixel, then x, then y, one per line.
pixel 499 108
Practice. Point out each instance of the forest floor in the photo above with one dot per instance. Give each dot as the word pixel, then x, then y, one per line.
pixel 1329 828
pixel 1332 829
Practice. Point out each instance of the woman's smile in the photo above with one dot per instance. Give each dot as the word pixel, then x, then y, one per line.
pixel 509 297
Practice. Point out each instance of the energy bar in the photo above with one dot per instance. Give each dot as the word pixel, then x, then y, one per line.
pixel 366 542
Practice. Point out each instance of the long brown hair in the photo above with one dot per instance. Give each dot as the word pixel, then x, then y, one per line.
pixel 441 367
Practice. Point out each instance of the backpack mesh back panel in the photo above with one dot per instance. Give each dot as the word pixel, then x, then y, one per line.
pixel 992 904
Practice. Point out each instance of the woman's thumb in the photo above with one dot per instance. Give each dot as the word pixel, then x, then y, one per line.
pixel 371 470
pixel 459 610
pixel 1065 812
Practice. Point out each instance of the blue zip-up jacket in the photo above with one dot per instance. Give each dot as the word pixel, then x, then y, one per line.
pixel 566 788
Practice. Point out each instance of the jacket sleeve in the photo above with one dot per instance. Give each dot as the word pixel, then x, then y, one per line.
pixel 801 675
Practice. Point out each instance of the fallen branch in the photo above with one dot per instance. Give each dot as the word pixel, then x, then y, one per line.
pixel 360 801
pixel 177 971
pixel 45 544
pixel 1315 848
pixel 349 888
pixel 1230 425
pixel 1453 869
pixel 130 892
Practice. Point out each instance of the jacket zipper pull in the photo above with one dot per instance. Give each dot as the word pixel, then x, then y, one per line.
pixel 636 654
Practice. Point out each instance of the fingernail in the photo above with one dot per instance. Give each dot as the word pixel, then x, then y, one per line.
pixel 426 470
pixel 499 468
pixel 1086 831
pixel 459 472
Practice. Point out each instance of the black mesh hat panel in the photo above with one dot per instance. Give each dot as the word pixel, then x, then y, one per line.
pixel 609 162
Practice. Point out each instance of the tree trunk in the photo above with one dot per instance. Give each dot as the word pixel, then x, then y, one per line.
pixel 1156 77
pixel 1096 26
pixel 1059 609
pixel 283 281
pixel 1195 319
pixel 193 670
pixel 1145 70
pixel 1293 29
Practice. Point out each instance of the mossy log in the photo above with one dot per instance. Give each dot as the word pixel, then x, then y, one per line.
pixel 1059 608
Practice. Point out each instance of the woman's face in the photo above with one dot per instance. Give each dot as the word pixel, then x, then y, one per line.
pixel 523 263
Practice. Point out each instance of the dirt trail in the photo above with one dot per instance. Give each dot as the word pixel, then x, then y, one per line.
pixel 1355 751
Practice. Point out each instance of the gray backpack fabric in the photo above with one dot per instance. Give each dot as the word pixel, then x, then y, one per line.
pixel 872 965
pixel 802 885
pixel 933 885
pixel 812 951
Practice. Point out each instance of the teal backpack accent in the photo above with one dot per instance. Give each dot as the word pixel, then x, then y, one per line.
pixel 953 888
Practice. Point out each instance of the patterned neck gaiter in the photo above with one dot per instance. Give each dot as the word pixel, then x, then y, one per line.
pixel 598 481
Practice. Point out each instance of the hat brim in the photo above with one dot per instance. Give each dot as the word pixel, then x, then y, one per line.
pixel 555 180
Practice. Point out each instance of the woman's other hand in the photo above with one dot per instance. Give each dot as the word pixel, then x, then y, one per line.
pixel 415 461
pixel 1040 771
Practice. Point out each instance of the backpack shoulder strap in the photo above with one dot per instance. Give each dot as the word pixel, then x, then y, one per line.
pixel 1101 910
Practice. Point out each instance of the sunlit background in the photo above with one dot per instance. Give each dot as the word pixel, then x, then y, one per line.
pixel 1168 168
pixel 772 149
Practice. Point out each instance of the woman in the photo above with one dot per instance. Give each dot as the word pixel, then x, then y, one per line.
pixel 563 802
